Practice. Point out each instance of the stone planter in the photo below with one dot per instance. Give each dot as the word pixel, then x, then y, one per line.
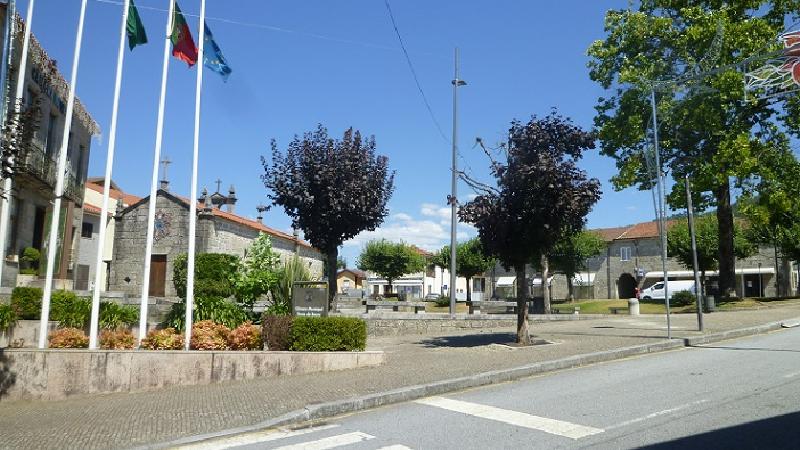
pixel 25 332
pixel 27 280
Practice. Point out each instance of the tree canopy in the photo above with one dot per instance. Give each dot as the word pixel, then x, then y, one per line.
pixel 333 189
pixel 687 51
pixel 570 254
pixel 471 260
pixel 391 260
pixel 541 195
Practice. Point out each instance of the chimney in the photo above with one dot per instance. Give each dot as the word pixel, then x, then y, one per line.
pixel 164 185
pixel 231 201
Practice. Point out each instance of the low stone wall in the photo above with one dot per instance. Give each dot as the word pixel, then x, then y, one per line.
pixel 398 324
pixel 56 374
pixel 24 333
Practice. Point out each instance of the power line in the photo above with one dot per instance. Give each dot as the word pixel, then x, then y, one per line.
pixel 414 73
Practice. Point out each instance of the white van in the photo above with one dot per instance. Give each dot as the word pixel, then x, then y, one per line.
pixel 656 291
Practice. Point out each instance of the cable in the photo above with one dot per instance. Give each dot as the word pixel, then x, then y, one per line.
pixel 414 73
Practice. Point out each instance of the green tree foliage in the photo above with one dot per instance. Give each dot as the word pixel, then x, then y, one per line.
pixel 332 189
pixel 679 243
pixel 390 260
pixel 773 211
pixel 707 129
pixel 258 272
pixel 541 195
pixel 471 260
pixel 571 252
pixel 215 275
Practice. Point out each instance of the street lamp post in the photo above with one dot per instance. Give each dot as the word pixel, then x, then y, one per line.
pixel 453 200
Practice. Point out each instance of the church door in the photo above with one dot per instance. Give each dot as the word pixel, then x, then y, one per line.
pixel 158 275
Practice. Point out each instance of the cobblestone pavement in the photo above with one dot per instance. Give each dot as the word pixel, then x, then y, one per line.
pixel 126 420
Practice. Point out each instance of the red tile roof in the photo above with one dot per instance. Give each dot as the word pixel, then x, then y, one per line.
pixel 609 234
pixel 645 230
pixel 91 209
pixel 127 199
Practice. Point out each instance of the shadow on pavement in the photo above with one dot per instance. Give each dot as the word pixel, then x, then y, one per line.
pixel 470 340
pixel 7 376
pixel 774 433
pixel 758 349
pixel 583 333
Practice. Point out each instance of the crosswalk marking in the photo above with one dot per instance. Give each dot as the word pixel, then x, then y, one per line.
pixel 552 426
pixel 253 438
pixel 330 442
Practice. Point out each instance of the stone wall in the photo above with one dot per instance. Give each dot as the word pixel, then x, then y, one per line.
pixel 57 374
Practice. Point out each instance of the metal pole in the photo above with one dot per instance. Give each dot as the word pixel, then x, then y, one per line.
pixel 112 141
pixel 151 213
pixel 192 197
pixel 8 55
pixel 760 286
pixel 662 224
pixel 62 168
pixel 697 286
pixel 453 197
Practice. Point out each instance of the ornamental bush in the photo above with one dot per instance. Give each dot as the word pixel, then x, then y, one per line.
pixel 245 337
pixel 207 335
pixel 682 298
pixel 328 334
pixel 69 310
pixel 68 338
pixel 276 330
pixel 27 302
pixel 214 275
pixel 114 316
pixel 117 340
pixel 8 317
pixel 215 309
pixel 166 339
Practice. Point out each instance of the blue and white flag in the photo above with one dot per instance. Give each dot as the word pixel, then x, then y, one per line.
pixel 213 57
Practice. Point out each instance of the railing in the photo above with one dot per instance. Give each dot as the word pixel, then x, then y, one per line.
pixel 34 161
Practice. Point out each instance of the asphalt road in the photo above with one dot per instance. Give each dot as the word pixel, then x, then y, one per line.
pixel 738 394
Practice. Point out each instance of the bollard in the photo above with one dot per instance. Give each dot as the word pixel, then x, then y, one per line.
pixel 633 307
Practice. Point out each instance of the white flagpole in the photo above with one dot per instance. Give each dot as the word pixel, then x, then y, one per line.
pixel 5 199
pixel 112 141
pixel 151 216
pixel 201 37
pixel 62 168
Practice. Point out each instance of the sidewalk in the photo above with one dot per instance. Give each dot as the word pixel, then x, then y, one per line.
pixel 127 420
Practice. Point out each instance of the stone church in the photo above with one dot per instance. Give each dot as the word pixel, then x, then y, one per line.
pixel 218 231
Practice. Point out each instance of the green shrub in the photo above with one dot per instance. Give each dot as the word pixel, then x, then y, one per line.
pixel 216 309
pixel 30 261
pixel 442 301
pixel 275 330
pixel 8 316
pixel 682 298
pixel 69 310
pixel 117 340
pixel 27 302
pixel 328 334
pixel 245 337
pixel 114 316
pixel 207 335
pixel 214 275
pixel 166 339
pixel 68 338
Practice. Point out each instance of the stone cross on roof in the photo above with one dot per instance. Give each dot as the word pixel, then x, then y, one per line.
pixel 219 183
pixel 165 162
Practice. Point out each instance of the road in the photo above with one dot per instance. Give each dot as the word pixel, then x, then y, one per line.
pixel 737 394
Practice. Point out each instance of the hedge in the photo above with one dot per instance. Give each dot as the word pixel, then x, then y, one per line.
pixel 27 302
pixel 328 334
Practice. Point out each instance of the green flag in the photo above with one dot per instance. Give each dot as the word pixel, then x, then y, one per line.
pixel 134 28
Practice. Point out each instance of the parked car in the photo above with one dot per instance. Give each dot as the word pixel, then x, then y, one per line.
pixel 656 291
pixel 432 296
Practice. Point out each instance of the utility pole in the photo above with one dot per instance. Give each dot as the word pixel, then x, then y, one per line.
pixel 697 290
pixel 662 226
pixel 453 200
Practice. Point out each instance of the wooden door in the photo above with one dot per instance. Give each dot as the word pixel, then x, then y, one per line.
pixel 158 275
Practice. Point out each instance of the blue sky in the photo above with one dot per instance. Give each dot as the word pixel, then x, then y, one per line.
pixel 296 64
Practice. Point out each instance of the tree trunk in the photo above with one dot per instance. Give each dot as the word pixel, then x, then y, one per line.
pixel 778 277
pixel 333 256
pixel 727 276
pixel 523 335
pixel 570 288
pixel 545 262
pixel 469 291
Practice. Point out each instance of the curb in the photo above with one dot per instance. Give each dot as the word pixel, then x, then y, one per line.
pixel 335 408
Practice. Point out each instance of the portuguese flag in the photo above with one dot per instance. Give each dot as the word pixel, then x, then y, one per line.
pixel 134 27
pixel 183 46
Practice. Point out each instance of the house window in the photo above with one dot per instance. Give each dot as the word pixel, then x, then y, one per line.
pixel 50 144
pixel 86 230
pixel 624 253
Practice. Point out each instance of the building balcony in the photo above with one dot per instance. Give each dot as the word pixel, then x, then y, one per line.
pixel 35 165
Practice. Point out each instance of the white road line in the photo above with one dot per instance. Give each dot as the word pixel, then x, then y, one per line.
pixel 253 438
pixel 654 415
pixel 330 442
pixel 552 426
pixel 396 447
pixel 791 375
